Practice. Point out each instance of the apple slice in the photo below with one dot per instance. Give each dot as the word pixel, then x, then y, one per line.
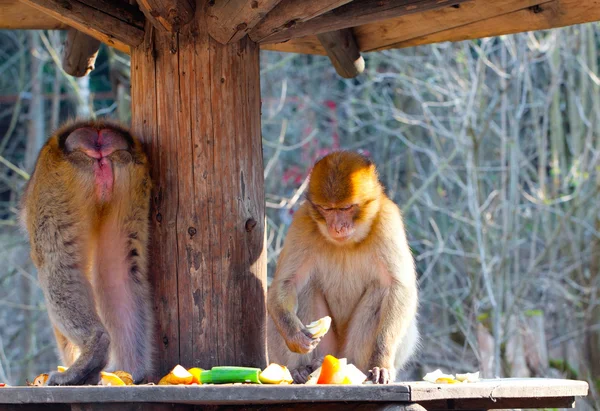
pixel 276 374
pixel 108 378
pixel 319 327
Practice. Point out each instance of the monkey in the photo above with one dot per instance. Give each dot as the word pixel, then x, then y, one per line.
pixel 85 209
pixel 346 256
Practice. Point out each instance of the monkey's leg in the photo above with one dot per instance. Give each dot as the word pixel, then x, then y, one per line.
pixel 70 304
pixel 363 335
pixel 67 350
pixel 124 299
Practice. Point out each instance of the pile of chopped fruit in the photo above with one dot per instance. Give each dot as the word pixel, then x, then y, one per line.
pixel 438 377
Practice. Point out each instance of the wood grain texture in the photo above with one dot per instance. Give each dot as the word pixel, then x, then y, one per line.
pixel 522 391
pixel 92 21
pixel 302 45
pixel 545 15
pixel 291 12
pixel 15 15
pixel 170 15
pixel 196 103
pixel 79 53
pixel 343 52
pixel 230 20
pixel 356 13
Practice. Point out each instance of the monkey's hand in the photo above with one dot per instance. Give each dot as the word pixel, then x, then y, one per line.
pixel 301 374
pixel 302 342
pixel 379 375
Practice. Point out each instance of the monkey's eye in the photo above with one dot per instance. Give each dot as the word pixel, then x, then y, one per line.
pixel 346 208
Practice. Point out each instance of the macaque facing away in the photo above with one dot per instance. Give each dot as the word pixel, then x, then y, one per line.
pixel 86 211
pixel 345 256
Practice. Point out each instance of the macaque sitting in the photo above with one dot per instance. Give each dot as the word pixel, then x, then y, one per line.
pixel 345 256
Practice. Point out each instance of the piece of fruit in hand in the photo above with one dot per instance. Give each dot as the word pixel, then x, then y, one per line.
pixel 319 327
pixel 276 374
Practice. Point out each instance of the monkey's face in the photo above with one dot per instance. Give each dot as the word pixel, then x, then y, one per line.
pixel 338 224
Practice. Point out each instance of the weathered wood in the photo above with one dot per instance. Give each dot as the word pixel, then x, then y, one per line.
pixel 545 15
pixel 79 53
pixel 499 388
pixel 499 403
pixel 15 15
pixel 342 50
pixel 230 20
pixel 291 12
pixel 356 13
pixel 303 45
pixel 208 394
pixel 95 22
pixel 169 15
pixel 196 104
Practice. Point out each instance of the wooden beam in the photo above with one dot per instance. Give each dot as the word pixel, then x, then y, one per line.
pixel 379 36
pixel 15 15
pixel 169 15
pixel 343 52
pixel 288 13
pixel 79 53
pixel 356 13
pixel 196 105
pixel 545 15
pixel 230 20
pixel 95 21
pixel 303 45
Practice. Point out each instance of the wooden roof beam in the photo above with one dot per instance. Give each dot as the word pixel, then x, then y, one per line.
pixel 230 20
pixel 343 52
pixel 356 13
pixel 288 13
pixel 79 53
pixel 169 15
pixel 115 23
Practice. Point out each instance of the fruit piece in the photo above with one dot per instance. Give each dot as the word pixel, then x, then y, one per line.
pixel 434 376
pixel 40 380
pixel 230 375
pixel 108 378
pixel 180 375
pixel 276 374
pixel 62 369
pixel 164 381
pixel 196 374
pixel 2 385
pixel 354 375
pixel 125 377
pixel 332 370
pixel 446 380
pixel 314 377
pixel 319 327
pixel 468 377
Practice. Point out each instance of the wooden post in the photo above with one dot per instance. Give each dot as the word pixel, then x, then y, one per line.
pixel 196 104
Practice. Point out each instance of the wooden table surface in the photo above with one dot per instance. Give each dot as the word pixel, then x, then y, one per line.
pixel 486 394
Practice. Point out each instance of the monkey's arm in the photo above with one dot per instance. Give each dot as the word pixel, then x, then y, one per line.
pixel 293 273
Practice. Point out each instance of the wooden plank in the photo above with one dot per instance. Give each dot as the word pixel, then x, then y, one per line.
pixel 15 15
pixel 209 270
pixel 377 36
pixel 356 13
pixel 291 12
pixel 500 403
pixel 170 15
pixel 307 406
pixel 499 388
pixel 548 15
pixel 230 20
pixel 79 53
pixel 94 22
pixel 207 394
pixel 302 45
pixel 343 52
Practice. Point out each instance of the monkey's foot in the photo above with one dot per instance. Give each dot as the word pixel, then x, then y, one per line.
pixel 379 376
pixel 71 378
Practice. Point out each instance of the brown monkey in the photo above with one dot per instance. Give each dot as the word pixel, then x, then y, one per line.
pixel 86 211
pixel 346 256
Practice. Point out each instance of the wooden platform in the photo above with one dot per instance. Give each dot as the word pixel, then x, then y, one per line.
pixel 487 394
